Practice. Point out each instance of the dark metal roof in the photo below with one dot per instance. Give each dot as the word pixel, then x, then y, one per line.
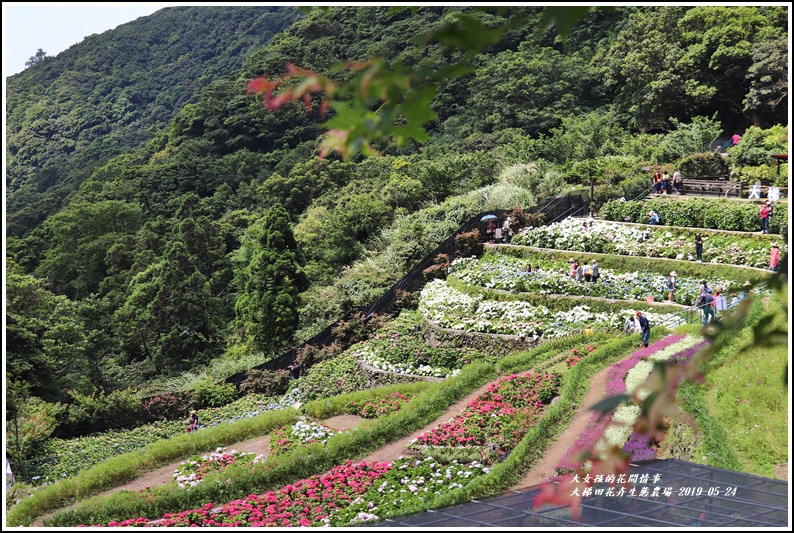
pixel 700 495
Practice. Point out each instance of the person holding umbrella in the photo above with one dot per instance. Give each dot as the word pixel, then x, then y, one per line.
pixel 490 228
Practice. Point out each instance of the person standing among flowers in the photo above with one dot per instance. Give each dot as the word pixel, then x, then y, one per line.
pixel 671 286
pixel 507 231
pixel 645 328
pixel 665 182
pixel 657 182
pixel 699 247
pixel 765 217
pixel 596 275
pixel 193 421
pixel 774 257
pixel 572 267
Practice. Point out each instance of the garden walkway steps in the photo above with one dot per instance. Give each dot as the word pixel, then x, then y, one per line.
pixel 545 470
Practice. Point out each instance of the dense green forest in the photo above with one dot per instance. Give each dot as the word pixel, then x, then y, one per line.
pixel 160 218
pixel 111 93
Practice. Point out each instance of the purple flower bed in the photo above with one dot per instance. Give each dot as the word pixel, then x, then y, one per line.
pixel 639 447
pixel 615 385
pixel 682 358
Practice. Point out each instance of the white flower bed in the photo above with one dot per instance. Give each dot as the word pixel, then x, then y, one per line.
pixel 366 353
pixel 439 303
pixel 651 241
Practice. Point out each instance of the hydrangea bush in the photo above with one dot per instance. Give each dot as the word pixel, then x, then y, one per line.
pixel 286 438
pixel 651 241
pixel 510 274
pixel 437 303
pixel 192 471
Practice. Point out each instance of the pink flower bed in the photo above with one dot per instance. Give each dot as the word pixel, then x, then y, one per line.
pixel 305 503
pixel 501 415
pixel 615 385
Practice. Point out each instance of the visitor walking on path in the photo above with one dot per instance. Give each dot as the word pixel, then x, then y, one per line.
pixel 507 231
pixel 645 328
pixel 765 209
pixel 595 274
pixel 699 247
pixel 676 181
pixel 573 264
pixel 671 286
pixel 707 305
pixel 774 257
pixel 665 182
pixel 657 182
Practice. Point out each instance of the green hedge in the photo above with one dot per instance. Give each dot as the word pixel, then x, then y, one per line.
pixel 305 461
pixel 525 360
pixel 729 215
pixel 123 468
pixel 626 263
pixel 335 405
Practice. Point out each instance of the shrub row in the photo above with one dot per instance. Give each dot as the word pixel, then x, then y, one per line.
pixel 563 303
pixel 706 213
pixel 625 263
pixel 328 407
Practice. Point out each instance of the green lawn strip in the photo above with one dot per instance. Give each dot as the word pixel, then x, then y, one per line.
pixel 713 437
pixel 563 302
pixel 277 471
pixel 328 407
pixel 627 263
pixel 120 469
pixel 750 401
pixel 748 396
pixel 575 384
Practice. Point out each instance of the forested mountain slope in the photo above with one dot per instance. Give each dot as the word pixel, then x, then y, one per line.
pixel 109 94
pixel 218 232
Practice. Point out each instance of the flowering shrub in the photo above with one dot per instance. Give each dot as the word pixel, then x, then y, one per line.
pixel 376 408
pixel 500 416
pixel 193 470
pixel 450 308
pixel 328 378
pixel 510 274
pixel 577 356
pixel 287 438
pixel 651 241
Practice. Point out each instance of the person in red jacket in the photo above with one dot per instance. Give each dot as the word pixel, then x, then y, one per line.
pixel 765 217
pixel 774 257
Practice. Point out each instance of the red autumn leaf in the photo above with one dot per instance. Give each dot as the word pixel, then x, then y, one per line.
pixel 257 85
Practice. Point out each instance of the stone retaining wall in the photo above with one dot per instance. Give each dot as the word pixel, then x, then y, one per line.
pixel 491 342
pixel 379 378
